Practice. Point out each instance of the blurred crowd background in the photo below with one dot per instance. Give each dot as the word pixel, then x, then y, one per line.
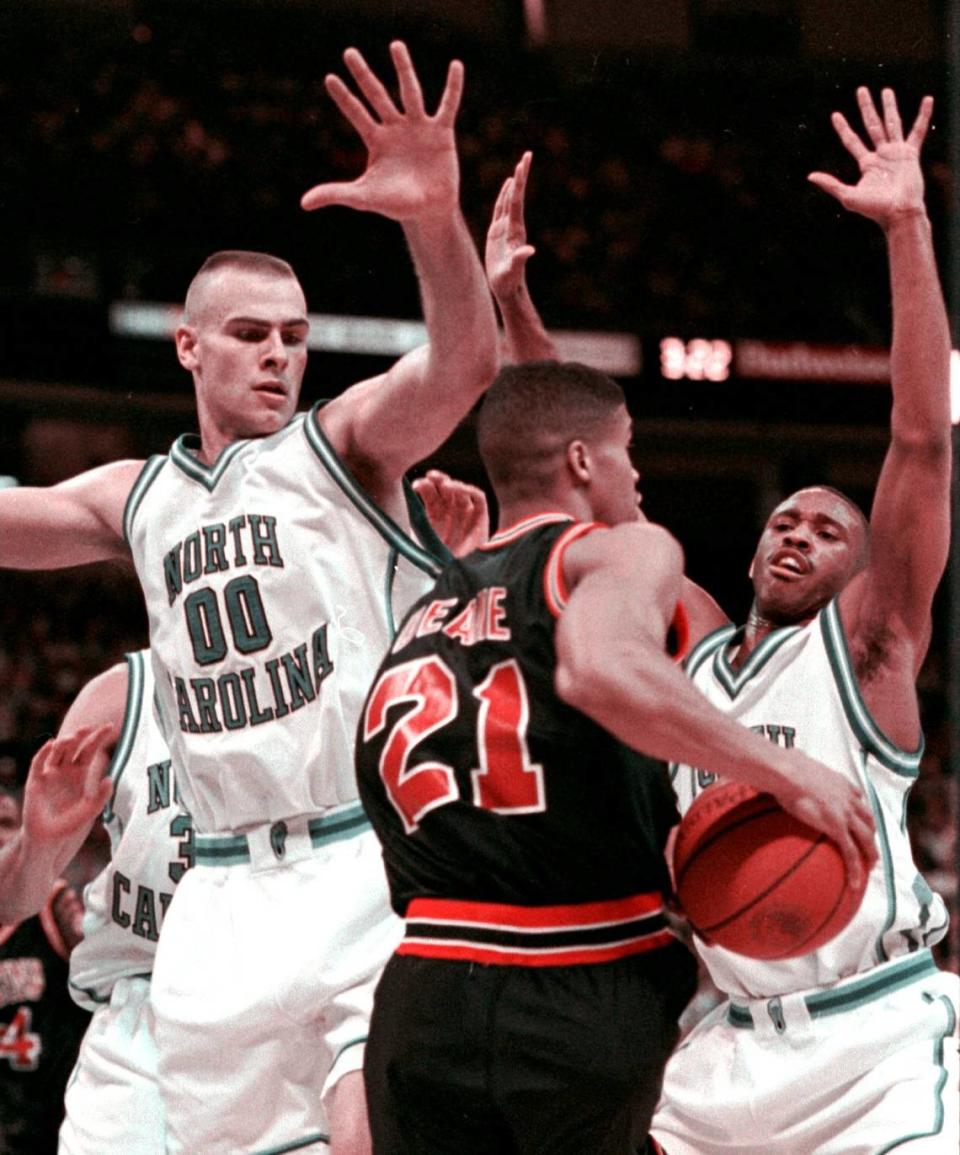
pixel 668 197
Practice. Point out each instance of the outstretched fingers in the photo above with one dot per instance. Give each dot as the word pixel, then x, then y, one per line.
pixel 918 132
pixel 449 104
pixel 849 139
pixel 371 86
pixel 518 194
pixel 876 129
pixel 353 109
pixel 891 115
pixel 411 94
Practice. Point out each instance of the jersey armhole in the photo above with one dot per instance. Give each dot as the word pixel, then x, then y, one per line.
pixel 555 589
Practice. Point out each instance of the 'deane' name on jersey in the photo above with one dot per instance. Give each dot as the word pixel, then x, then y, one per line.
pixel 481 783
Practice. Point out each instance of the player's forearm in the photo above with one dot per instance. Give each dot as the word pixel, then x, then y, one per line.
pixel 644 699
pixel 27 874
pixel 920 349
pixel 459 314
pixel 525 336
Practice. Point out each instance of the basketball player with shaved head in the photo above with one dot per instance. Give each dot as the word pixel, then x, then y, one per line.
pixel 276 553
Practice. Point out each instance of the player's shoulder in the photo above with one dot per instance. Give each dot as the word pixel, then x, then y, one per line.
pixel 623 548
pixel 101 701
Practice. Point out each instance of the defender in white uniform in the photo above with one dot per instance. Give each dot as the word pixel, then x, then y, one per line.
pixel 113 1100
pixel 273 584
pixel 272 569
pixel 850 1049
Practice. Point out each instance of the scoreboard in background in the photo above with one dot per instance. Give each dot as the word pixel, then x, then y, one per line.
pixel 670 376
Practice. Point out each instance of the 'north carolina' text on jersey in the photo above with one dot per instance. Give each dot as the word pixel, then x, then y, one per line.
pixel 151 846
pixel 480 782
pixel 271 582
pixel 798 688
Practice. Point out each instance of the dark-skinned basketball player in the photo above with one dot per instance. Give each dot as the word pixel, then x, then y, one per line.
pixel 534 999
pixel 852 1048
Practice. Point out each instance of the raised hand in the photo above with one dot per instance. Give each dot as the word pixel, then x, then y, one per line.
pixel 457 511
pixel 66 787
pixel 507 249
pixel 412 172
pixel 891 183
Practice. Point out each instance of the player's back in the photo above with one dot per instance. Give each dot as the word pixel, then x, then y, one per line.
pixel 482 784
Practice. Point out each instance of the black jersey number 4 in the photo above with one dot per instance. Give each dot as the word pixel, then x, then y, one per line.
pixel 506 780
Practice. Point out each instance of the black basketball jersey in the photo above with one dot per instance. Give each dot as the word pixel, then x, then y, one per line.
pixel 480 782
pixel 40 1032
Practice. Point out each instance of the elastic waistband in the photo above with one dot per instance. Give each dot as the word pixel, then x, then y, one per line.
pixel 280 841
pixel 535 936
pixel 854 992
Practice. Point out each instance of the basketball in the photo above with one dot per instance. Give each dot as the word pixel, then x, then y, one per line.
pixel 752 878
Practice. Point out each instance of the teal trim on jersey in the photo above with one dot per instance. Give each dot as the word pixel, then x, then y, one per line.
pixel 234 849
pixel 854 993
pixel 886 858
pixel 423 526
pixel 207 475
pixel 739 1017
pixel 859 992
pixel 129 727
pixel 296 1145
pixel 381 522
pixel 346 1047
pixel 220 849
pixel 146 478
pixel 89 993
pixel 900 761
pixel 705 647
pixel 938 1107
pixel 733 680
pixel 388 579
pixel 336 827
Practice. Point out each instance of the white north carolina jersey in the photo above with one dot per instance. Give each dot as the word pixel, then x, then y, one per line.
pixel 151 844
pixel 273 584
pixel 799 689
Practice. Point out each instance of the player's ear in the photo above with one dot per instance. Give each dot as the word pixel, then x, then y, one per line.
pixel 578 461
pixel 186 339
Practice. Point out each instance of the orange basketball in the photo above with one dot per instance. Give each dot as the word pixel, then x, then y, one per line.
pixel 752 878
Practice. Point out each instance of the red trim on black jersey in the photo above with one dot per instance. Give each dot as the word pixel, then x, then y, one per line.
pixel 535 936
pixel 554 584
pixel 678 640
pixel 512 532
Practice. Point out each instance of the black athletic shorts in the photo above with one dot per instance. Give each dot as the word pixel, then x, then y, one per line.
pixel 472 1059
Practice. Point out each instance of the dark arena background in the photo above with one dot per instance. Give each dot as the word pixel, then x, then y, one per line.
pixel 679 247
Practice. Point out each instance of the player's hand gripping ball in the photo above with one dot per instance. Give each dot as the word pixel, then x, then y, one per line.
pixel 752 878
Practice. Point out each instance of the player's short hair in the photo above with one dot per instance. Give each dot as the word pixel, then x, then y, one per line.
pixel 245 260
pixel 532 412
pixel 859 517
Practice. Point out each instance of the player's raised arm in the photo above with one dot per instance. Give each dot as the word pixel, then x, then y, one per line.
pixel 385 425
pixel 613 666
pixel 75 522
pixel 66 790
pixel 507 251
pixel 910 518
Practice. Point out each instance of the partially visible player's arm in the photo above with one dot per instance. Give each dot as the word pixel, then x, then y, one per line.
pixel 910 517
pixel 525 337
pixel 385 425
pixel 66 791
pixel 612 665
pixel 75 522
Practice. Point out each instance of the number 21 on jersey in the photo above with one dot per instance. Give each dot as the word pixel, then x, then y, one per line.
pixel 506 781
